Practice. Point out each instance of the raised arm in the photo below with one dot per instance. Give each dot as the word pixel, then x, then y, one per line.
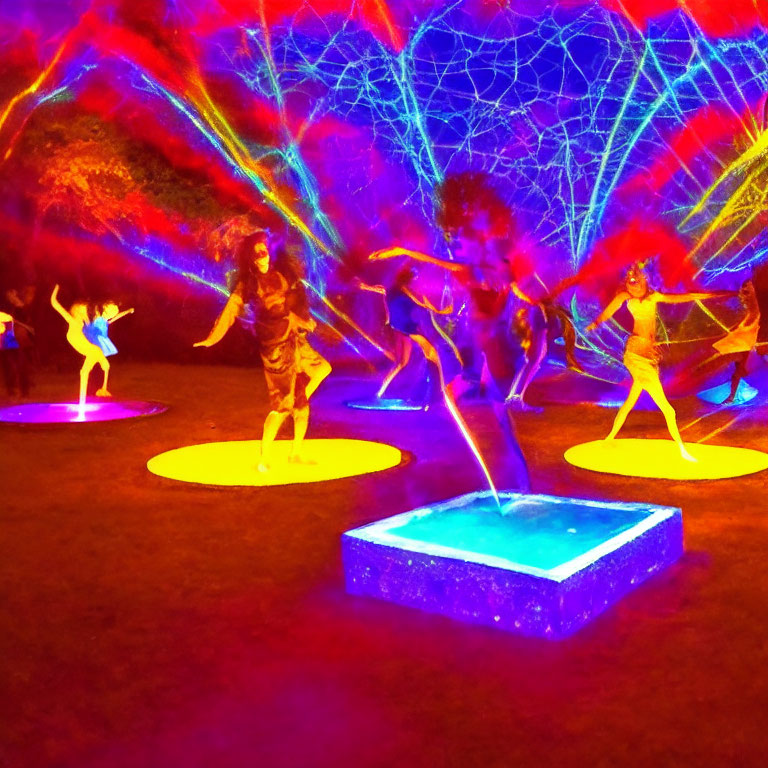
pixel 521 294
pixel 682 298
pixel 224 321
pixel 425 303
pixel 56 304
pixel 121 314
pixel 610 310
pixel 26 327
pixel 389 253
pixel 372 288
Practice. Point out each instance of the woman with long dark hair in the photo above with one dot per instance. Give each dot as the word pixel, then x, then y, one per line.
pixel 292 368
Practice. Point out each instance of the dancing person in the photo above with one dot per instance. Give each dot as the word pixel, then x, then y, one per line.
pixel 77 319
pixel 735 347
pixel 641 352
pixel 402 306
pixel 560 325
pixel 532 319
pixel 9 351
pixel 489 294
pixel 292 368
pixel 484 234
pixel 488 304
pixel 538 321
pixel 491 357
pixel 487 298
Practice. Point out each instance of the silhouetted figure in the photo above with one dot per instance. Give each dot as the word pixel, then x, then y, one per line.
pixel 19 360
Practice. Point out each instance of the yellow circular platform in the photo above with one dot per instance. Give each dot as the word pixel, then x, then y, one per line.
pixel 235 462
pixel 661 459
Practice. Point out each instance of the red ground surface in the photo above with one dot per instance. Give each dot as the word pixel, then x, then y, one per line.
pixel 148 623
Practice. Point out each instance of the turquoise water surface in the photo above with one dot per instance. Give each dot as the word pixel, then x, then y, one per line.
pixel 535 533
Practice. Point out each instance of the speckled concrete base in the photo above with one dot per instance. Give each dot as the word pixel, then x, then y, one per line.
pixel 476 587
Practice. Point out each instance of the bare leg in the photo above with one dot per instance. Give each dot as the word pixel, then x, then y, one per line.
pixel 738 374
pixel 569 337
pixel 85 373
pixel 534 359
pixel 317 378
pixel 403 347
pixel 272 425
pixel 300 422
pixel 431 354
pixel 104 392
pixel 656 391
pixel 627 406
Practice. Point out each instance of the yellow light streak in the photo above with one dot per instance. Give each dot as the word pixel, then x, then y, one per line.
pixel 35 86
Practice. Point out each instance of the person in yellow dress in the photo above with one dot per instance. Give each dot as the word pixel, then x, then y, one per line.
pixel 641 352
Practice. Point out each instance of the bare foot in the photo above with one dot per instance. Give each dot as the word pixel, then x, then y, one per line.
pixel 262 467
pixel 687 456
pixel 103 392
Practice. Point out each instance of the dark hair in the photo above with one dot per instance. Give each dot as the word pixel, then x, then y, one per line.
pixel 287 260
pixel 245 265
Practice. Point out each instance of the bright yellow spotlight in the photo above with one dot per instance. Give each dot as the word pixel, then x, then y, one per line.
pixel 661 459
pixel 235 462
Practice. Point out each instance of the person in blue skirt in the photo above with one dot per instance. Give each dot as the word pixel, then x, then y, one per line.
pixel 97 331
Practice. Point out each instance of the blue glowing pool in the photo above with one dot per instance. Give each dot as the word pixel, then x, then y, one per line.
pixel 542 565
pixel 386 404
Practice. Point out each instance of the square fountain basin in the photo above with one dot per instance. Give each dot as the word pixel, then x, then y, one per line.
pixel 543 565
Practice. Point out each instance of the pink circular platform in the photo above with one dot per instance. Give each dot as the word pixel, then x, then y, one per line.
pixel 69 413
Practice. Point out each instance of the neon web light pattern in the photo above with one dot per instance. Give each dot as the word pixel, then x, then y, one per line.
pixel 342 118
